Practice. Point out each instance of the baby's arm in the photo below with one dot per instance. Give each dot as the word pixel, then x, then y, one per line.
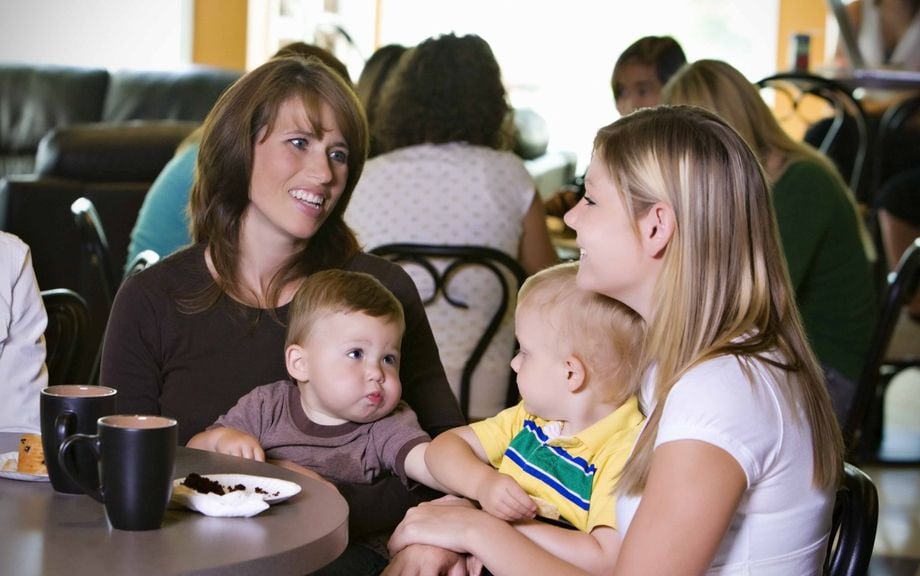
pixel 457 459
pixel 418 471
pixel 228 441
pixel 595 552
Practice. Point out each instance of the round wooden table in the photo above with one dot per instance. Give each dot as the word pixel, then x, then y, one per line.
pixel 45 532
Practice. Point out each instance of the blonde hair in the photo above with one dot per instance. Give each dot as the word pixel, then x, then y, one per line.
pixel 720 88
pixel 333 291
pixel 605 334
pixel 724 288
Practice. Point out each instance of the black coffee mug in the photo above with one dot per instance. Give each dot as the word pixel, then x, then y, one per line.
pixel 72 409
pixel 137 459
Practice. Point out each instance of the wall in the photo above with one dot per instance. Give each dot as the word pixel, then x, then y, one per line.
pixel 220 33
pixel 104 33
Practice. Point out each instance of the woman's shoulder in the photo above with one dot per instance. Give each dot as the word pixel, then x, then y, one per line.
pixel 735 388
pixel 182 270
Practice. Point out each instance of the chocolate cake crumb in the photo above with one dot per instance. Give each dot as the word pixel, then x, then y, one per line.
pixel 203 485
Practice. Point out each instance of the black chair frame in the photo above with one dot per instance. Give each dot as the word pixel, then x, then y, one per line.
pixel 863 429
pixel 854 525
pixel 65 335
pixel 459 257
pixel 844 104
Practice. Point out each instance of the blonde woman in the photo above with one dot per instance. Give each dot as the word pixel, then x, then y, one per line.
pixel 736 469
pixel 825 243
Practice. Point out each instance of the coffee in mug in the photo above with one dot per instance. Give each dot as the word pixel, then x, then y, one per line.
pixel 72 409
pixel 137 457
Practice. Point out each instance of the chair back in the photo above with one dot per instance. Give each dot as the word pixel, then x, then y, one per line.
pixel 65 336
pixel 862 429
pixel 95 244
pixel 796 88
pixel 855 521
pixel 506 270
pixel 894 120
pixel 143 259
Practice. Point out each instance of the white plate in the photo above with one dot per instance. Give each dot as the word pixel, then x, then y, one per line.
pixel 13 475
pixel 247 502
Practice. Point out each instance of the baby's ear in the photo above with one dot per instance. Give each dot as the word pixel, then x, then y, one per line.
pixel 296 361
pixel 574 373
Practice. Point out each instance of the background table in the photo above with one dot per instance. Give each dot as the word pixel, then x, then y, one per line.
pixel 44 532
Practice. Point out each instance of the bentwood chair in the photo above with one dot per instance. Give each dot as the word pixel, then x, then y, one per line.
pixel 95 244
pixel 863 428
pixel 140 262
pixel 65 335
pixel 854 525
pixel 793 89
pixel 442 263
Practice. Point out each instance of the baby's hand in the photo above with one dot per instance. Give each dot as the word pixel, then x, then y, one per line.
pixel 504 498
pixel 239 443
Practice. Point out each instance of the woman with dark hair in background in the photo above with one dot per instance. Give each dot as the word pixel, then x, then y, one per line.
pixel 446 176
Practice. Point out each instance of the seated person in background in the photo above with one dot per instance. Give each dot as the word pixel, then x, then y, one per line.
pixel 567 441
pixel 163 223
pixel 370 83
pixel 888 36
pixel 22 342
pixel 826 245
pixel 642 70
pixel 638 76
pixel 898 206
pixel 446 176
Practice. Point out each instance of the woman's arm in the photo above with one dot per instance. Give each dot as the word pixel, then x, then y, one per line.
pixel 501 548
pixel 535 250
pixel 692 493
pixel 129 350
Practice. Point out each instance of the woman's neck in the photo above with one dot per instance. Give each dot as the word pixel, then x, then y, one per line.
pixel 261 257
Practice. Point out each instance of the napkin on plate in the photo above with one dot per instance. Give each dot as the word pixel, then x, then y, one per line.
pixel 234 504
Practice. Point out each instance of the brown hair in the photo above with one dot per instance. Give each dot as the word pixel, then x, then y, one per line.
pixel 446 89
pixel 605 334
pixel 662 53
pixel 333 291
pixel 370 83
pixel 724 288
pixel 220 194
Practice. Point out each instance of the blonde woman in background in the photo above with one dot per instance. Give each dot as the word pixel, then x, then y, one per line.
pixel 826 246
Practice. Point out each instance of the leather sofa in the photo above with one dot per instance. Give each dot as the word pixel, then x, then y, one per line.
pixel 68 132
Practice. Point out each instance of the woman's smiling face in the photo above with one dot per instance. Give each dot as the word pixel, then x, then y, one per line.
pixel 611 252
pixel 298 173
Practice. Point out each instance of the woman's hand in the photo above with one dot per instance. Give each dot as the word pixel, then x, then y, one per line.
pixel 442 522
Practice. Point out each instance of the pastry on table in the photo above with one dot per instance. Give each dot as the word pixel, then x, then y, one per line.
pixel 31 455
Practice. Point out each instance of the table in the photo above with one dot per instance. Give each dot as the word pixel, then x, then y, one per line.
pixel 44 532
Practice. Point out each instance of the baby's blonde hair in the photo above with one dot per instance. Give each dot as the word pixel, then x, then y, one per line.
pixel 605 334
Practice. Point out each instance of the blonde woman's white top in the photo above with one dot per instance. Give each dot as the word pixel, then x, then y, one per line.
pixel 783 521
pixel 451 194
pixel 22 343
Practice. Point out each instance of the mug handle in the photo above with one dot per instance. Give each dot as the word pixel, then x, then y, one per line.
pixel 67 463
